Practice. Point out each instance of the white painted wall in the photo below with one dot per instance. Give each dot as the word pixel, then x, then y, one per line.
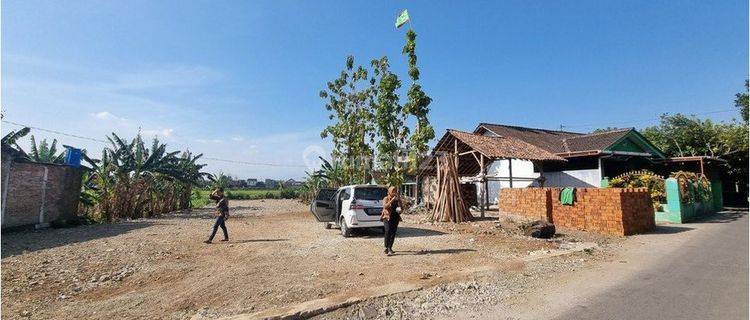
pixel 523 176
pixel 586 178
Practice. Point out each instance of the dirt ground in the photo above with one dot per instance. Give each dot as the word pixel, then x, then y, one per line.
pixel 278 255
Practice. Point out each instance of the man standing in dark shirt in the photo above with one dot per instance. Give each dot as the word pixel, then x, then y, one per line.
pixel 222 214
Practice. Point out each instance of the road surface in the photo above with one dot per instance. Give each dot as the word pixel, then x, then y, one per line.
pixel 690 271
pixel 706 278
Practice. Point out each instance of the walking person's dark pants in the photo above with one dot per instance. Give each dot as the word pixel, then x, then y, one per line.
pixel 391 225
pixel 219 223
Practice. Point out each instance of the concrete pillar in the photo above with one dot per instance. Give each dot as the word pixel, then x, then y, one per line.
pixel 716 194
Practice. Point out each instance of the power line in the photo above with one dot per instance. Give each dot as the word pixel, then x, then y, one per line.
pixel 54 131
pixel 257 163
pixel 106 142
pixel 638 121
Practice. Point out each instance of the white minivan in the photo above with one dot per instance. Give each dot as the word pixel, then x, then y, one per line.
pixel 350 207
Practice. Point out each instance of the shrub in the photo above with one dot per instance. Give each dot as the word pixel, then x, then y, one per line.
pixel 288 194
pixel 643 179
pixel 693 188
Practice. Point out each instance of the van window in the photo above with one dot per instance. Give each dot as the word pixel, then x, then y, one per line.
pixel 345 195
pixel 326 194
pixel 370 193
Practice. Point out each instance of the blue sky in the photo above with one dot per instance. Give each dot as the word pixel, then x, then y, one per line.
pixel 240 79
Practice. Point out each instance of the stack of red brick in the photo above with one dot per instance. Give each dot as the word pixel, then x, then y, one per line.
pixel 612 211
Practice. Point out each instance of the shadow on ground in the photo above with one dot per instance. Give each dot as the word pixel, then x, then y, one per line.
pixel 403 232
pixel 20 241
pixel 722 216
pixel 209 213
pixel 669 229
pixel 439 251
pixel 257 240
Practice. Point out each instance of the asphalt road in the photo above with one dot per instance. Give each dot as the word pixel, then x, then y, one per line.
pixel 706 277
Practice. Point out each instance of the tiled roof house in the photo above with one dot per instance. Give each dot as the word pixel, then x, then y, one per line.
pixel 520 156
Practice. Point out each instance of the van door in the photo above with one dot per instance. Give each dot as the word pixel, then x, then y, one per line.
pixel 323 207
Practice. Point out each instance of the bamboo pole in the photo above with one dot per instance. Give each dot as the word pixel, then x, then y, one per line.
pixel 450 205
pixel 481 185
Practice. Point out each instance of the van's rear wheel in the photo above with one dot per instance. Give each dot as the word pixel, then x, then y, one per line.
pixel 345 231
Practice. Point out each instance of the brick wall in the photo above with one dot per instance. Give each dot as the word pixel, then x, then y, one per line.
pixel 614 211
pixel 31 199
pixel 527 202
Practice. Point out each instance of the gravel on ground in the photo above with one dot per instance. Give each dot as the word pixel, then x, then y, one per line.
pixel 278 255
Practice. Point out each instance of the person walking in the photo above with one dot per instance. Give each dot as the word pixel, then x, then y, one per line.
pixel 391 216
pixel 221 213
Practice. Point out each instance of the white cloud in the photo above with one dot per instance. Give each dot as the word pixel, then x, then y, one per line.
pixel 119 103
pixel 106 115
pixel 209 141
pixel 160 133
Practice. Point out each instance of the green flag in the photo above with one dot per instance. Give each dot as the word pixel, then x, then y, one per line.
pixel 402 18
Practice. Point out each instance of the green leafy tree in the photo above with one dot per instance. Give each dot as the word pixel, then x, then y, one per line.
pixel 134 181
pixel 330 174
pixel 681 135
pixel 604 129
pixel 741 102
pixel 390 122
pixel 221 181
pixel 12 137
pixel 44 152
pixel 366 114
pixel 349 99
pixel 417 105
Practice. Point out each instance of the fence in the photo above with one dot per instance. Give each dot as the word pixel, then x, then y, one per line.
pixel 37 194
pixel 681 208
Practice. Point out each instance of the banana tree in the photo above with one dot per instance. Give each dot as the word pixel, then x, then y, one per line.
pixel 45 152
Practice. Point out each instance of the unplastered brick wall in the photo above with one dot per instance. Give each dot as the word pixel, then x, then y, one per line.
pixel 527 202
pixel 37 193
pixel 614 211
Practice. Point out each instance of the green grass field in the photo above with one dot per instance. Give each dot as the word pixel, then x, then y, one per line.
pixel 200 196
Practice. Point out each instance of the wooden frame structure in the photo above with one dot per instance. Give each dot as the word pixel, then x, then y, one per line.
pixel 474 153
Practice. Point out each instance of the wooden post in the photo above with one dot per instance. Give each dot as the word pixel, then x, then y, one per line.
pixel 702 173
pixel 510 172
pixel 439 179
pixel 455 153
pixel 417 191
pixel 482 189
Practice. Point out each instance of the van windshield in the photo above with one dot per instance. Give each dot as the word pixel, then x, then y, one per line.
pixel 373 193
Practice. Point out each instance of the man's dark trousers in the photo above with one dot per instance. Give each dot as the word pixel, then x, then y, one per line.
pixel 219 223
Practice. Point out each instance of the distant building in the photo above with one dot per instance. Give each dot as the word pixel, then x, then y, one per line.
pixel 252 183
pixel 237 183
pixel 272 184
pixel 292 183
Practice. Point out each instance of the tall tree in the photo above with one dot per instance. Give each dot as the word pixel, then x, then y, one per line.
pixel 417 104
pixel 741 102
pixel 349 103
pixel 390 122
pixel 680 135
pixel 366 114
